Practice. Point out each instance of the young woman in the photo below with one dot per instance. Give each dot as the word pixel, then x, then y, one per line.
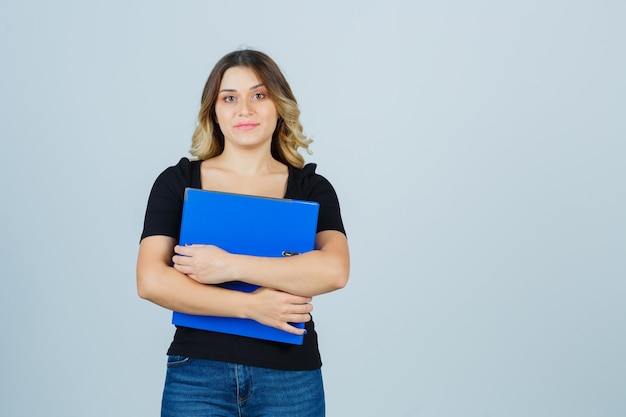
pixel 246 142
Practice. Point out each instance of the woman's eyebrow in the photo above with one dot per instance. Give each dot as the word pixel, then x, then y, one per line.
pixel 232 90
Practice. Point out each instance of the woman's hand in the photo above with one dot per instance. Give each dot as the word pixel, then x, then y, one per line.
pixel 206 264
pixel 277 309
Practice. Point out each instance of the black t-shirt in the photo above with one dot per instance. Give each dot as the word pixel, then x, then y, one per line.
pixel 163 217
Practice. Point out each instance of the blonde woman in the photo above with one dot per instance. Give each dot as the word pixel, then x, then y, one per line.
pixel 247 142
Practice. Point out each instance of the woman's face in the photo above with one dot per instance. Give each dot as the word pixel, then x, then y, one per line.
pixel 245 114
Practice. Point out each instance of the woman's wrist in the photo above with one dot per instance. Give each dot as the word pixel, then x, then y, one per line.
pixel 241 267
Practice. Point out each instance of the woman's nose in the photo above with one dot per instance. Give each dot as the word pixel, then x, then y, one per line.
pixel 244 107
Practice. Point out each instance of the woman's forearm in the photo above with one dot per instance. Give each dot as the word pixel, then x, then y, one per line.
pixel 309 274
pixel 168 288
pixel 160 283
pixel 317 272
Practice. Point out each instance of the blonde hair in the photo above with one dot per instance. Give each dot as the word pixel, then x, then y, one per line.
pixel 208 139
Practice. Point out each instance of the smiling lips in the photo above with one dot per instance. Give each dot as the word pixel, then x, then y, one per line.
pixel 246 125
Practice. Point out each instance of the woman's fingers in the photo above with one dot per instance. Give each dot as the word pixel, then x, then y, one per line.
pixel 206 264
pixel 279 309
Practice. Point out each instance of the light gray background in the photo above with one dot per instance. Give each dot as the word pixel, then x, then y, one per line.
pixel 477 148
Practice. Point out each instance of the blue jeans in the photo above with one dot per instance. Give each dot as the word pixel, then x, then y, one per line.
pixel 198 387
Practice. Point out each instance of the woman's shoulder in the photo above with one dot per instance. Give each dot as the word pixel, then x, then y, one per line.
pixel 184 165
pixel 182 169
pixel 306 181
pixel 305 174
pixel 181 174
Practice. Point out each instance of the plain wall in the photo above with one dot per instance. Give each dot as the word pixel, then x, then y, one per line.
pixel 477 149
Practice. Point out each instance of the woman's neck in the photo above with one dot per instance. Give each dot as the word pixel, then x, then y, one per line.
pixel 247 162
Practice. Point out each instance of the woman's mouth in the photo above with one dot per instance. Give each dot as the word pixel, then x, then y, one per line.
pixel 246 125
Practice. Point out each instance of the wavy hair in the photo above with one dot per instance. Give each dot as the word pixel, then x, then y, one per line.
pixel 208 139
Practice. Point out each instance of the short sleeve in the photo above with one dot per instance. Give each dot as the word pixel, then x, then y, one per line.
pixel 306 184
pixel 165 203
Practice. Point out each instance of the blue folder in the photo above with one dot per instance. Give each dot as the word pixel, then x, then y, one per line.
pixel 246 225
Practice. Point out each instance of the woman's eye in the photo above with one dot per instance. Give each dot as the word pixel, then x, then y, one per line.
pixel 229 99
pixel 259 96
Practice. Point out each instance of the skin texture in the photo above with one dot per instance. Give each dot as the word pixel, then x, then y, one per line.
pixel 247 117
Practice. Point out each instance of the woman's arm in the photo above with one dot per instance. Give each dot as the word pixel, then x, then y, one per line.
pixel 322 270
pixel 158 282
